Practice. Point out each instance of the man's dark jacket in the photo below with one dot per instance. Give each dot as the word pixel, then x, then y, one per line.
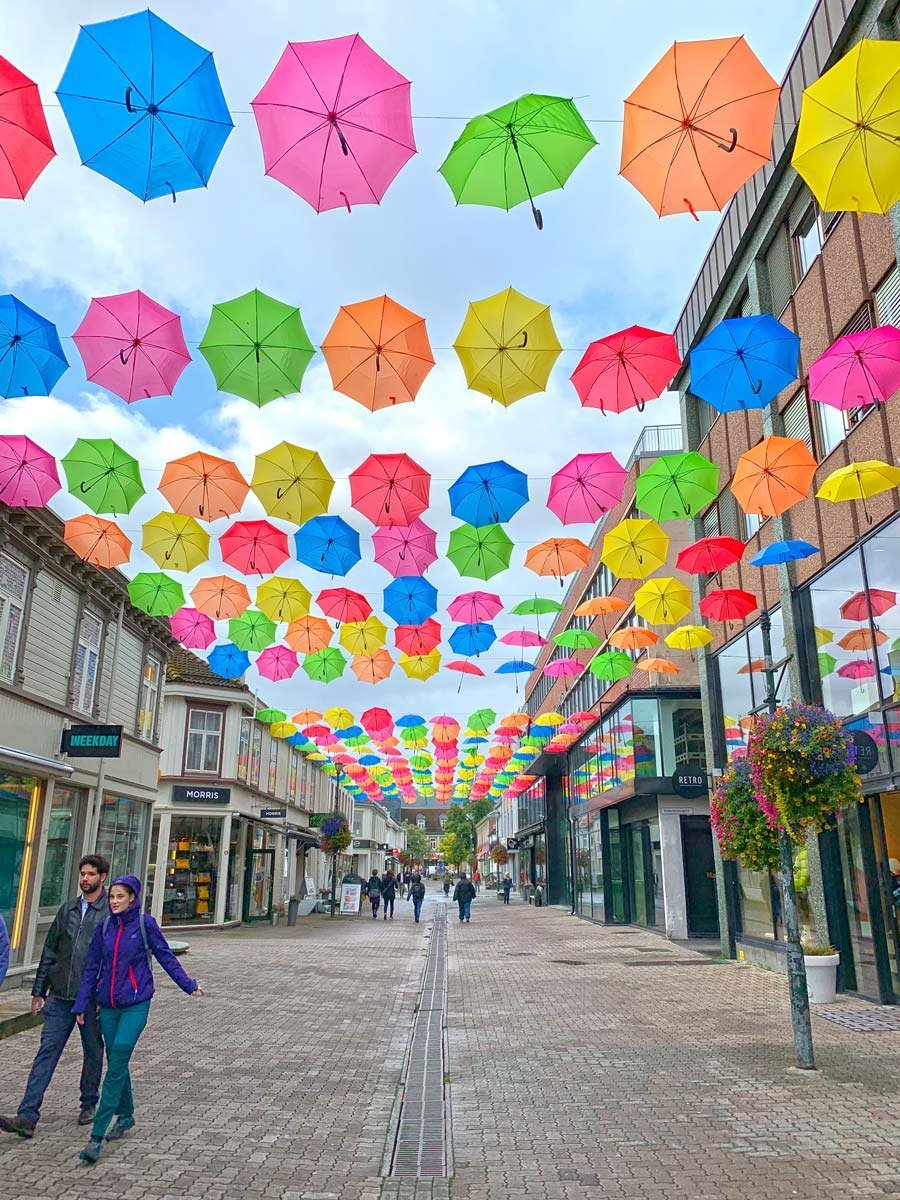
pixel 66 948
pixel 464 892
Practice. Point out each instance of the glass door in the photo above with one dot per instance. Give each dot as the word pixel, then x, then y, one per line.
pixel 18 819
pixel 886 836
pixel 258 884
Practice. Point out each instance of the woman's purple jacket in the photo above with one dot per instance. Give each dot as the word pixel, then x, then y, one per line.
pixel 117 972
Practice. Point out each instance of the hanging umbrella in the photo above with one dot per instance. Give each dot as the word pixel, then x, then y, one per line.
pixel 689 637
pixel 228 661
pixel 600 606
pixel 663 601
pixel 373 667
pixel 420 666
pixel 155 593
pixel 252 630
pixel 858 369
pixel 334 122
pixel 773 475
pixel 472 639
pixel 132 346
pixel 390 489
pixel 577 639
pixel 378 353
pixel 676 486
pixel 339 718
pixel 144 105
pixel 586 488
pixel 480 552
pixel 28 475
pixel 657 666
pixel 254 547
pixel 481 720
pixel 756 666
pixel 328 544
pixel 633 637
pixel 522 637
pixel 698 126
pixel 25 143
pixel 362 637
pixel 517 152
pixel 97 541
pixel 283 599
pixel 823 636
pixel 307 635
pixel 291 482
pixel 857 670
pixel 488 494
pixel 418 639
pixel 306 716
pixel 563 668
pixel 256 347
pixel 863 639
pixel 871 603
pixel 847 147
pixel 277 663
pixel 31 355
pixel 535 606
pixel 402 549
pixel 343 604
pixel 633 549
pixel 410 600
pixel 323 666
pixel 777 553
pixel 471 607
pixel 99 472
pixel 192 628
pixel 827 663
pixel 709 555
pixel 728 604
pixel 220 597
pixel 626 369
pixel 859 481
pixel 507 346
pixel 516 666
pixel 278 729
pixel 203 486
pixel 744 362
pixel 558 557
pixel 175 542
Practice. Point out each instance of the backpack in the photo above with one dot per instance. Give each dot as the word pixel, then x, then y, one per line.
pixel 143 938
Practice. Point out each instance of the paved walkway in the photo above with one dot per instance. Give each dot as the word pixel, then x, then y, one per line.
pixel 583 1063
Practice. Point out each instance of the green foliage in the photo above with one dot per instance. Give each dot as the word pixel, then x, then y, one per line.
pixel 743 830
pixel 416 842
pixel 461 819
pixel 335 835
pixel 454 849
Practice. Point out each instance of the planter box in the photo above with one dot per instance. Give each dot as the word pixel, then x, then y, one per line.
pixel 821 975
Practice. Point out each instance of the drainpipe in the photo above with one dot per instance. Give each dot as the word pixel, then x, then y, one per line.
pixel 101 770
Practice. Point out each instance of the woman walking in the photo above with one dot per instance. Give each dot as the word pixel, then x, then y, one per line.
pixel 388 892
pixel 417 895
pixel 118 976
pixel 374 892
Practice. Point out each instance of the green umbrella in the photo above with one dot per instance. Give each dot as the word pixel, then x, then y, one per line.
pixel 827 663
pixel 517 152
pixel 103 475
pixel 252 630
pixel 480 553
pixel 611 665
pixel 325 665
pixel 577 639
pixel 677 486
pixel 156 593
pixel 257 347
pixel 535 606
pixel 269 716
pixel 481 720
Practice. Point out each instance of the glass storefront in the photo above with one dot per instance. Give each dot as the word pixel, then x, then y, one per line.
pixel 191 870
pixel 19 796
pixel 67 810
pixel 742 681
pixel 233 885
pixel 259 875
pixel 122 833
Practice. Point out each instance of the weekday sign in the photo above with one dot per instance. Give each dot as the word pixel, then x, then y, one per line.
pixel 92 741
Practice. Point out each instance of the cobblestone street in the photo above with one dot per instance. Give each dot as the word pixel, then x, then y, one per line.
pixel 583 1062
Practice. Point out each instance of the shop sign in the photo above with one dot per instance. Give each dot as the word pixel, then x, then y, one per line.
pixel 691 782
pixel 362 843
pixel 512 843
pixel 316 819
pixel 200 795
pixel 866 751
pixel 273 814
pixel 92 741
pixel 382 846
pixel 351 896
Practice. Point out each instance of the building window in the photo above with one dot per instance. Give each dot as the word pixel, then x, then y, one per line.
pixel 294 775
pixel 808 237
pixel 255 755
pixel 887 298
pixel 87 658
pixel 204 740
pixel 149 698
pixel 243 758
pixel 121 834
pixel 66 816
pixel 271 780
pixel 795 416
pixel 13 588
pixel 779 270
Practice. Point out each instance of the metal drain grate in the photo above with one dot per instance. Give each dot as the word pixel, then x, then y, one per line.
pixel 862 1020
pixel 673 962
pixel 570 962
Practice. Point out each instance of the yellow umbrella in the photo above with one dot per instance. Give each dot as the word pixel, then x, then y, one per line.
pixel 635 548
pixel 282 729
pixel 421 666
pixel 507 346
pixel 283 599
pixel 175 542
pixel 549 718
pixel 339 718
pixel 848 139
pixel 663 601
pixel 859 481
pixel 689 637
pixel 823 636
pixel 292 483
pixel 362 637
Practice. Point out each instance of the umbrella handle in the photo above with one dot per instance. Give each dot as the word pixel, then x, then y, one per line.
pixel 345 149
pixel 729 149
pixel 172 190
pixel 757 388
pixel 346 201
pixel 128 103
pixel 690 208
pixel 524 339
pixel 122 358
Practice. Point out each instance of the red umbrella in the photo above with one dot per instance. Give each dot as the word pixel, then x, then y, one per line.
pixel 709 555
pixel 472 607
pixel 859 668
pixel 465 668
pixel 405 549
pixel 626 369
pixel 418 639
pixel 28 475
pixel 25 143
pixel 875 602
pixel 343 604
pixel 390 489
pixel 587 487
pixel 728 604
pixel 376 718
pixel 254 547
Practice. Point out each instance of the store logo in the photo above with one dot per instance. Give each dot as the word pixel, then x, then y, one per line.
pixel 92 741
pixel 690 781
pixel 200 795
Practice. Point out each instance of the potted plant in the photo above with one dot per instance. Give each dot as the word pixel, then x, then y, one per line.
pixel 821 962
pixel 278 911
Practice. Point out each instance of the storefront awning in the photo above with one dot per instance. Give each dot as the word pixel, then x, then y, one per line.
pixel 35 762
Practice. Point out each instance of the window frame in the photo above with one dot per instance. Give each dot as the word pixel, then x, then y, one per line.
pixel 152 688
pixel 80 702
pixel 8 602
pixel 218 709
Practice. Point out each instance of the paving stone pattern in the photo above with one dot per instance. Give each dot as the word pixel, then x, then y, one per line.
pixel 577 1079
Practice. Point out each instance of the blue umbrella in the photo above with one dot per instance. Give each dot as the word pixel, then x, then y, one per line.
pixel 369 760
pixel 301 742
pixel 488 494
pixel 516 666
pixel 409 721
pixel 228 661
pixel 144 105
pixel 783 552
pixel 352 731
pixel 328 544
pixel 744 362
pixel 410 600
pixel 31 355
pixel 472 639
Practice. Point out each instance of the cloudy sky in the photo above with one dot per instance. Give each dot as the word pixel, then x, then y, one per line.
pixel 602 262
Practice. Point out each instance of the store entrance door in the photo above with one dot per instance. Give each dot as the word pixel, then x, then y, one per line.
pixel 699 877
pixel 259 879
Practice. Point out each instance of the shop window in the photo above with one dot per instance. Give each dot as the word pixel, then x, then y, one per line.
pixel 887 299
pixel 204 740
pixel 13 589
pixel 149 698
pixel 192 868
pixel 66 815
pixel 272 774
pixel 87 658
pixel 18 811
pixel 121 834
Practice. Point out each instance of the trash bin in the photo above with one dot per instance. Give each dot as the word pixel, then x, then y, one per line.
pixel 293 908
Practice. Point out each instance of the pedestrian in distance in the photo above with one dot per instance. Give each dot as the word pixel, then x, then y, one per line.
pixel 464 894
pixel 446 885
pixel 388 893
pixel 53 994
pixel 507 888
pixel 4 949
pixel 373 891
pixel 417 895
pixel 476 879
pixel 118 976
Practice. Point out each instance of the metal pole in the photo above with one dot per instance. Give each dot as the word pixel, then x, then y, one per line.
pixel 800 1018
pixel 334 886
pixel 101 770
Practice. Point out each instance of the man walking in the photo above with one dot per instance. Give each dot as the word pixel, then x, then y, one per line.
pixel 54 991
pixel 373 891
pixel 507 888
pixel 417 895
pixel 388 893
pixel 464 894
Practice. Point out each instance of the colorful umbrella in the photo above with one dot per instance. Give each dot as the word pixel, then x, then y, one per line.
pixel 99 472
pixel 728 604
pixel 488 494
pixel 709 555
pixel 192 628
pixel 31 354
pixel 611 665
pixel 848 139
pixel 307 635
pixel 874 602
pixel 410 600
pixel 787 551
pixel 220 597
pixel 698 126
pixel 563 668
pixel 343 604
pixel 97 541
pixel 203 486
pixel 420 666
pixel 626 369
pixel 405 549
pixel 522 637
pixel 507 346
pixel 558 557
pixel 823 636
pixel 633 637
pixel 863 639
pixel 256 347
pixel 858 669
pixel 306 716
pixel 480 553
pixel 325 665
pixel 25 143
pixel 132 346
pixel 372 668
pixel 586 487
pixel 535 606
pixel 472 639
pixel 277 663
pixel 228 661
pixel 283 599
pixel 633 549
pixel 28 475
pixel 517 152
pixel 155 593
pixel 252 630
pixel 827 663
pixel 334 121
pixel 657 666
pixel 676 486
pixel 291 482
pixel 254 547
pixel 859 481
pixel 328 544
pixel 858 369
pixel 362 637
pixel 663 601
pixel 390 489
pixel 773 475
pixel 744 363
pixel 577 639
pixel 471 607
pixel 175 542
pixel 378 353
pixel 515 666
pixel 688 637
pixel 418 639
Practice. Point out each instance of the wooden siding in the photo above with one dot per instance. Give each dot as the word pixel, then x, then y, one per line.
pixel 50 637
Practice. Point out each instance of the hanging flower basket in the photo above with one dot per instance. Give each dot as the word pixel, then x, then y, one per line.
pixel 334 834
pixel 742 828
pixel 499 854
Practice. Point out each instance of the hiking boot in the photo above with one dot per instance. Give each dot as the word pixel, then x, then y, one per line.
pixel 87 1114
pixel 91 1152
pixel 121 1127
pixel 21 1125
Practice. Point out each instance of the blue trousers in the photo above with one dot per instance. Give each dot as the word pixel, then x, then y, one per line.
pixel 465 909
pixel 57 1028
pixel 417 906
pixel 121 1029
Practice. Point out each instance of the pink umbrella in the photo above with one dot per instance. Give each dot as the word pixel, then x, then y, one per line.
pixel 472 607
pixel 563 667
pixel 192 628
pixel 277 663
pixel 254 547
pixel 860 368
pixel 405 549
pixel 334 121
pixel 523 637
pixel 132 346
pixel 587 487
pixel 28 476
pixel 860 668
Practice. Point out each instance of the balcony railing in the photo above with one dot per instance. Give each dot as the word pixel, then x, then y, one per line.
pixel 655 440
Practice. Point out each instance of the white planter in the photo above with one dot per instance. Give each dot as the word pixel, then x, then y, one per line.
pixel 821 976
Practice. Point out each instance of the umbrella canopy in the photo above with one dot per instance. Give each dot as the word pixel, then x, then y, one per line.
pixel 626 369
pixel 410 600
pixel 31 355
pixel 611 665
pixel 577 639
pixel 97 541
pixel 378 353
pixel 633 549
pixel 192 628
pixel 228 661
pixel 633 637
pixel 334 122
pixel 859 481
pixel 472 639
pixel 522 637
pixel 689 637
pixel 252 630
pixel 256 347
pixel 600 606
pixel 420 666
pixel 155 593
pixel 220 597
pixel 277 663
pixel 656 666
pixel 343 604
pixel 874 602
pixel 103 475
pixel 858 369
pixel 372 667
pixel 25 143
pixel 535 606
pixel 471 607
pixel 283 599
pixel 175 542
pixel 787 551
pixel 773 475
pixel 709 555
pixel 563 668
pixel 362 637
pixel 676 486
pixel 517 152
pixel 390 489
pixel 327 544
pixel 307 635
pixel 558 557
pixel 848 138
pixel 418 639
pixel 132 346
pixel 515 666
pixel 203 486
pixel 291 482
pixel 859 668
pixel 480 553
pixel 488 494
pixel 402 549
pixel 663 601
pixel 254 547
pixel 823 636
pixel 728 604
pixel 863 639
pixel 325 665
pixel 28 475
pixel 698 126
pixel 744 362
pixel 586 487
pixel 507 346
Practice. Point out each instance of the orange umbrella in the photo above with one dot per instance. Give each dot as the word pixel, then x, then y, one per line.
pixel 372 667
pixel 600 606
pixel 308 634
pixel 752 668
pixel 862 639
pixel 633 637
pixel 516 720
pixel 698 126
pixel 203 486
pixel 97 541
pixel 378 353
pixel 772 476
pixel 558 557
pixel 306 716
pixel 220 597
pixel 658 666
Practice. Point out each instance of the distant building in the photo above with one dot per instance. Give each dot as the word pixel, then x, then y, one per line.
pixel 378 839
